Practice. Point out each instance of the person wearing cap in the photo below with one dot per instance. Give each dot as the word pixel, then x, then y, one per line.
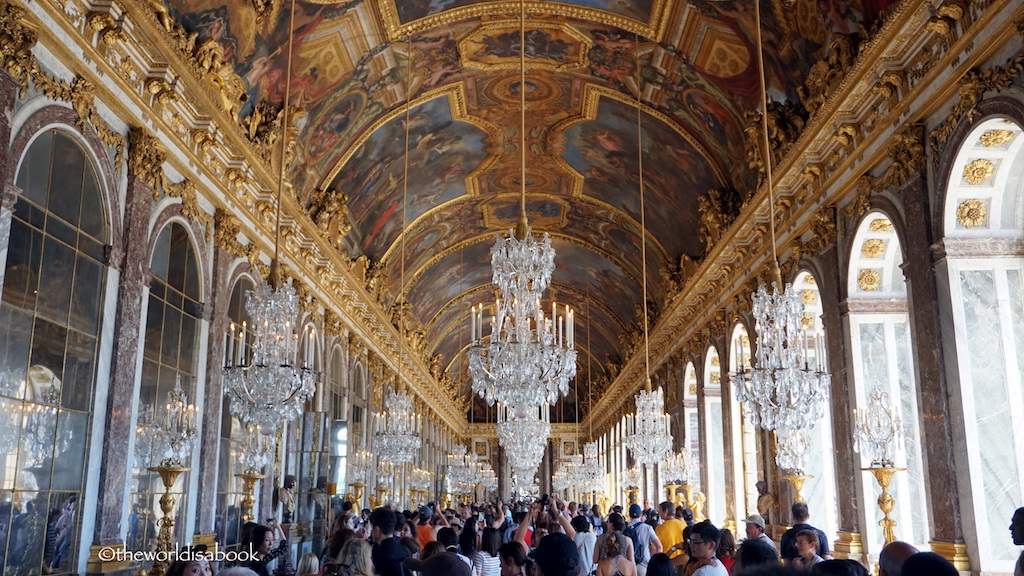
pixel 670 531
pixel 440 564
pixel 428 525
pixel 755 530
pixel 647 538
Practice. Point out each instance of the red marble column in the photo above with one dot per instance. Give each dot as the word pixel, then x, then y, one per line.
pixel 937 446
pixel 134 282
pixel 213 402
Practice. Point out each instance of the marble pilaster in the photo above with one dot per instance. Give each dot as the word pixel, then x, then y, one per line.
pixel 936 435
pixel 8 191
pixel 118 428
pixel 209 444
pixel 847 494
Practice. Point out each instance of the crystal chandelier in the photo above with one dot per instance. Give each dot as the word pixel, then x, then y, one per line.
pixel 255 450
pixel 792 449
pixel 362 464
pixel 787 387
pixel 523 433
pixel 269 387
pixel 681 468
pixel 632 478
pixel 647 431
pixel 462 469
pixel 488 480
pixel 179 428
pixel 398 436
pixel 41 437
pixel 592 475
pixel 878 429
pixel 529 357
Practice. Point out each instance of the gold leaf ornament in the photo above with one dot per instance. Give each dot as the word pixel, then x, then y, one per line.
pixel 971 212
pixel 873 248
pixel 979 171
pixel 869 280
pixel 994 138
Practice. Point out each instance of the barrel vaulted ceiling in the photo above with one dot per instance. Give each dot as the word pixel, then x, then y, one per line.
pixel 443 75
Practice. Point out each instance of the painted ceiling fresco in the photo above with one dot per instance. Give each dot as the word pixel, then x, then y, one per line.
pixel 436 84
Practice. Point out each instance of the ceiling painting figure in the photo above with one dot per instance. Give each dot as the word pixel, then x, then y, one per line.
pixel 442 153
pixel 604 152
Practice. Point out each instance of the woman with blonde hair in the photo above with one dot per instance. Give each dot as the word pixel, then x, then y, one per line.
pixel 354 558
pixel 309 565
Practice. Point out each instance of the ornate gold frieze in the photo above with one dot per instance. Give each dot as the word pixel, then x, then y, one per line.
pixel 190 208
pixel 873 248
pixel 979 171
pixel 869 280
pixel 996 138
pixel 18 38
pixel 108 30
pixel 146 157
pixel 225 233
pixel 971 213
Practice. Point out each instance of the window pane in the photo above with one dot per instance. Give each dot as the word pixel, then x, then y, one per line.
pixel 54 284
pixel 15 336
pixel 23 260
pixel 92 221
pixel 48 343
pixel 160 254
pixel 34 173
pixel 85 301
pixel 79 365
pixel 154 328
pixel 66 184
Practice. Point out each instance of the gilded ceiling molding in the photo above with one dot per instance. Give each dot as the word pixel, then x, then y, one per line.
pixel 456 95
pixel 971 88
pixel 654 29
pixel 592 95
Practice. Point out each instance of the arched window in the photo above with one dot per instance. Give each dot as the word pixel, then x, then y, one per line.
pixel 715 508
pixel 983 221
pixel 232 433
pixel 882 361
pixel 49 335
pixel 169 358
pixel 819 491
pixel 746 464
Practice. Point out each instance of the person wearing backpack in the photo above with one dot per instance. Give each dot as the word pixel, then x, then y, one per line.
pixel 645 541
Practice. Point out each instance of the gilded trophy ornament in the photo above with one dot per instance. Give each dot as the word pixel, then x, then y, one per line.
pixel 979 171
pixel 971 213
pixel 869 280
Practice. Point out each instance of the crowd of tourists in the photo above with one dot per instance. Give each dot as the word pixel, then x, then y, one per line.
pixel 549 537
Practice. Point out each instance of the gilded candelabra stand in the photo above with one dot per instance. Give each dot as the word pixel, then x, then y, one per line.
pixel 249 479
pixel 670 493
pixel 356 496
pixel 878 431
pixel 165 537
pixel 687 496
pixel 886 502
pixel 377 500
pixel 632 495
pixel 797 480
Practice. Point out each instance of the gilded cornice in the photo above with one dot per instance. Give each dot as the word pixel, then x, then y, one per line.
pixel 654 29
pixel 210 148
pixel 840 141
